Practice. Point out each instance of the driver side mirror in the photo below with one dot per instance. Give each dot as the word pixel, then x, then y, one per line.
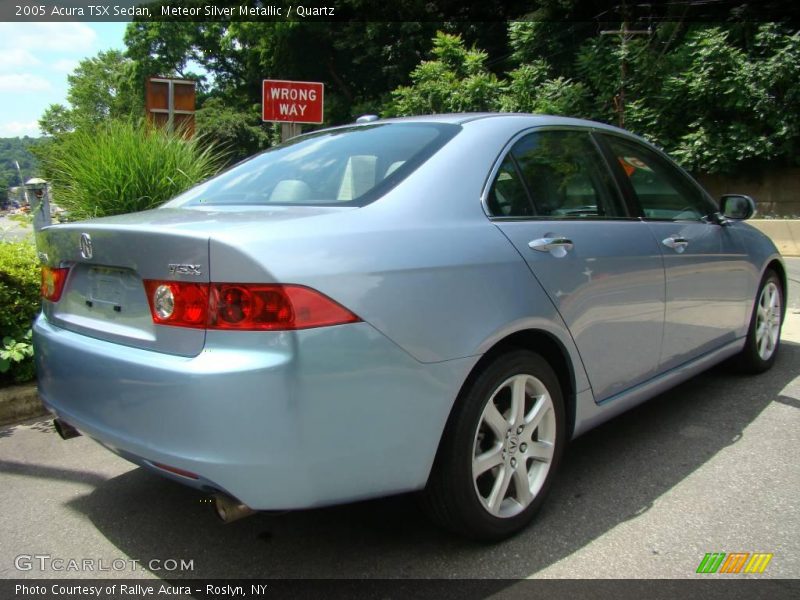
pixel 737 206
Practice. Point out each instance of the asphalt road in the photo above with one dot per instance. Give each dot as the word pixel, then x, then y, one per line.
pixel 12 230
pixel 711 466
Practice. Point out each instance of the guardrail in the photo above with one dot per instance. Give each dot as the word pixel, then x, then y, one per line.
pixel 784 233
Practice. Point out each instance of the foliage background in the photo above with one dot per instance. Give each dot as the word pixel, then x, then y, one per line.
pixel 17 149
pixel 720 97
pixel 19 299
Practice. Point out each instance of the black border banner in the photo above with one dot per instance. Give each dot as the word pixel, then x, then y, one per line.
pixel 601 11
pixel 705 588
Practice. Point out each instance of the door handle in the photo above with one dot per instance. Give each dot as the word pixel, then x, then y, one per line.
pixel 677 243
pixel 558 246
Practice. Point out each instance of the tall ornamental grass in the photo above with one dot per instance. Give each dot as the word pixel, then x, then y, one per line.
pixel 123 166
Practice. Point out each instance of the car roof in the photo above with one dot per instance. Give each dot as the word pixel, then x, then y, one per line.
pixel 527 120
pixel 524 121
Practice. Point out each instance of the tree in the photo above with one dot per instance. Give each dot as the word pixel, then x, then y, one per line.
pixel 56 120
pixel 100 88
pixel 718 99
pixel 454 80
pixel 532 89
pixel 238 134
pixel 359 62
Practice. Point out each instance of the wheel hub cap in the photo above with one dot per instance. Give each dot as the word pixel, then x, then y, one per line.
pixel 511 445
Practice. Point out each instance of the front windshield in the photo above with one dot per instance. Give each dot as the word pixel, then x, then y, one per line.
pixel 349 166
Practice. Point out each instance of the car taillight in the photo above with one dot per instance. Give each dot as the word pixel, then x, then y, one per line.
pixel 178 303
pixel 243 306
pixel 53 283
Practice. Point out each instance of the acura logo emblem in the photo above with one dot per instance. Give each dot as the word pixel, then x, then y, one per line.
pixel 86 245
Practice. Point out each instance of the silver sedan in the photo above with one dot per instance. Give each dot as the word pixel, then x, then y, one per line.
pixel 434 304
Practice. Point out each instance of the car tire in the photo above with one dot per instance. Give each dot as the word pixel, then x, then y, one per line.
pixel 508 428
pixel 764 333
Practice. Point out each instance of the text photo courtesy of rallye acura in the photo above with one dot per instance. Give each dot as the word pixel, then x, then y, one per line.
pixel 434 304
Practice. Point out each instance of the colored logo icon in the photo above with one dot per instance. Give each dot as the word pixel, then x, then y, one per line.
pixel 734 562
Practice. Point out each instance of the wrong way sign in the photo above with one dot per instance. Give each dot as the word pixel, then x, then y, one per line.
pixel 292 101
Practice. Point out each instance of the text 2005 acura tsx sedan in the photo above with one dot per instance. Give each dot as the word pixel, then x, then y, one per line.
pixel 437 303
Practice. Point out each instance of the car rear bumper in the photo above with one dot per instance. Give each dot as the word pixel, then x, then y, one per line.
pixel 278 420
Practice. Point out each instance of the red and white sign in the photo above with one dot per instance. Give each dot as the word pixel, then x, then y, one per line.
pixel 292 101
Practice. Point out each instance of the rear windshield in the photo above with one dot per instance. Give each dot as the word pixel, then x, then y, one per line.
pixel 349 166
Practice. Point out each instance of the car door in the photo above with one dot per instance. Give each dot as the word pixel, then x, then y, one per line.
pixel 704 262
pixel 554 198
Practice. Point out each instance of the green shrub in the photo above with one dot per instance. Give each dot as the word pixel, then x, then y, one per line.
pixel 19 303
pixel 239 133
pixel 17 355
pixel 121 167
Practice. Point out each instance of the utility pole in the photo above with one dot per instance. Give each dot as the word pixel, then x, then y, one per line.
pixel 625 35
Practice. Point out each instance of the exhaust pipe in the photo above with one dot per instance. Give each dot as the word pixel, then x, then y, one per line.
pixel 230 509
pixel 65 430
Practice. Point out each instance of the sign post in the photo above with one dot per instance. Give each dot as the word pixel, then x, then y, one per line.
pixel 291 103
pixel 290 130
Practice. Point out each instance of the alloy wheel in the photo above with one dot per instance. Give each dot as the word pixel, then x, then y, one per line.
pixel 514 445
pixel 768 320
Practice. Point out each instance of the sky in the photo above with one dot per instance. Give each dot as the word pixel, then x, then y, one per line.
pixel 35 59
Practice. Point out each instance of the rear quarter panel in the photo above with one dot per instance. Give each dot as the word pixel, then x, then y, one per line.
pixel 423 265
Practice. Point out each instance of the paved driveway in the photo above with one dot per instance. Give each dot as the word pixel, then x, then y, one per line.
pixel 13 230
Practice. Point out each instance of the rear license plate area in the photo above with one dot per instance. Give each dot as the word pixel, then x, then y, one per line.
pixel 107 288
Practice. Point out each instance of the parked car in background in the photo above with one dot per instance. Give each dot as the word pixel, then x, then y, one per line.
pixel 433 304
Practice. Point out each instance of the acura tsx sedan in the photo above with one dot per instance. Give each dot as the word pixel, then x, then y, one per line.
pixel 434 304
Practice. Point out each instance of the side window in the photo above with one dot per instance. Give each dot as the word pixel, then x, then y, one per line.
pixel 507 196
pixel 663 192
pixel 566 176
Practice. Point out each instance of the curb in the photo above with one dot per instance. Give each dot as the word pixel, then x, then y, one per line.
pixel 20 402
pixel 784 233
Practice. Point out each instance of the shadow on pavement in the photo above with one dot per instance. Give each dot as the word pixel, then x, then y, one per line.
pixel 27 469
pixel 610 475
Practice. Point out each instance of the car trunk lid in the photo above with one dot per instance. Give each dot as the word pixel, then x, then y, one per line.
pixel 104 295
